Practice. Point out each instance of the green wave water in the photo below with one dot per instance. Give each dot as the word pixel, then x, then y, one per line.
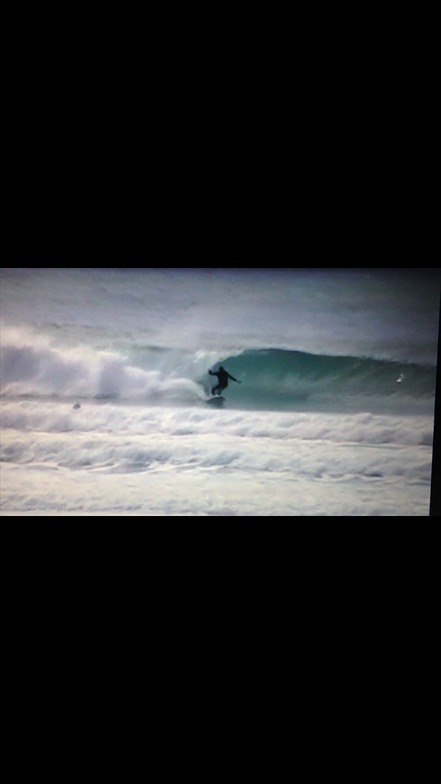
pixel 282 379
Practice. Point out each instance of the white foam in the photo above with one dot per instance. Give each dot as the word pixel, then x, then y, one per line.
pixel 156 460
pixel 31 364
pixel 106 417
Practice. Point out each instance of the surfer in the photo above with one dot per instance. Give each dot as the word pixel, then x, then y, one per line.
pixel 223 377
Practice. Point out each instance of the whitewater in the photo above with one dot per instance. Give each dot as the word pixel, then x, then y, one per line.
pixel 104 386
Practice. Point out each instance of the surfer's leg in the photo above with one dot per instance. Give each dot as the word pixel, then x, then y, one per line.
pixel 215 390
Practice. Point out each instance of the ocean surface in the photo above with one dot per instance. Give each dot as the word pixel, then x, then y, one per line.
pixel 104 387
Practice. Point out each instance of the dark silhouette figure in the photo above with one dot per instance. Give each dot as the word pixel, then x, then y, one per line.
pixel 223 377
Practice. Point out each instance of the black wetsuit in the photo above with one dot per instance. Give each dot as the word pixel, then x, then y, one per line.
pixel 223 377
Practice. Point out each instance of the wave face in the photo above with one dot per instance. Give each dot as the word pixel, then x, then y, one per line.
pixel 280 379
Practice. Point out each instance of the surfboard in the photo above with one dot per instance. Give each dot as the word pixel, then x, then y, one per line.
pixel 217 400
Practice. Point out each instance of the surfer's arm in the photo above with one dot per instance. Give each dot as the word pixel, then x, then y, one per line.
pixel 234 379
pixel 211 373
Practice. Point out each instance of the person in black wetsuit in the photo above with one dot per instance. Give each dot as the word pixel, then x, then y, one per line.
pixel 223 377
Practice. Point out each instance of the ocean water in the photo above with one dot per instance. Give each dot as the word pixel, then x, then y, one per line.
pixel 104 386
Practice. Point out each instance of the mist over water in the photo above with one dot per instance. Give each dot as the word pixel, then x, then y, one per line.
pixel 336 366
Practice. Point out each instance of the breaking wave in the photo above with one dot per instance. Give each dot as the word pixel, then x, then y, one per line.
pixel 31 365
pixel 271 378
